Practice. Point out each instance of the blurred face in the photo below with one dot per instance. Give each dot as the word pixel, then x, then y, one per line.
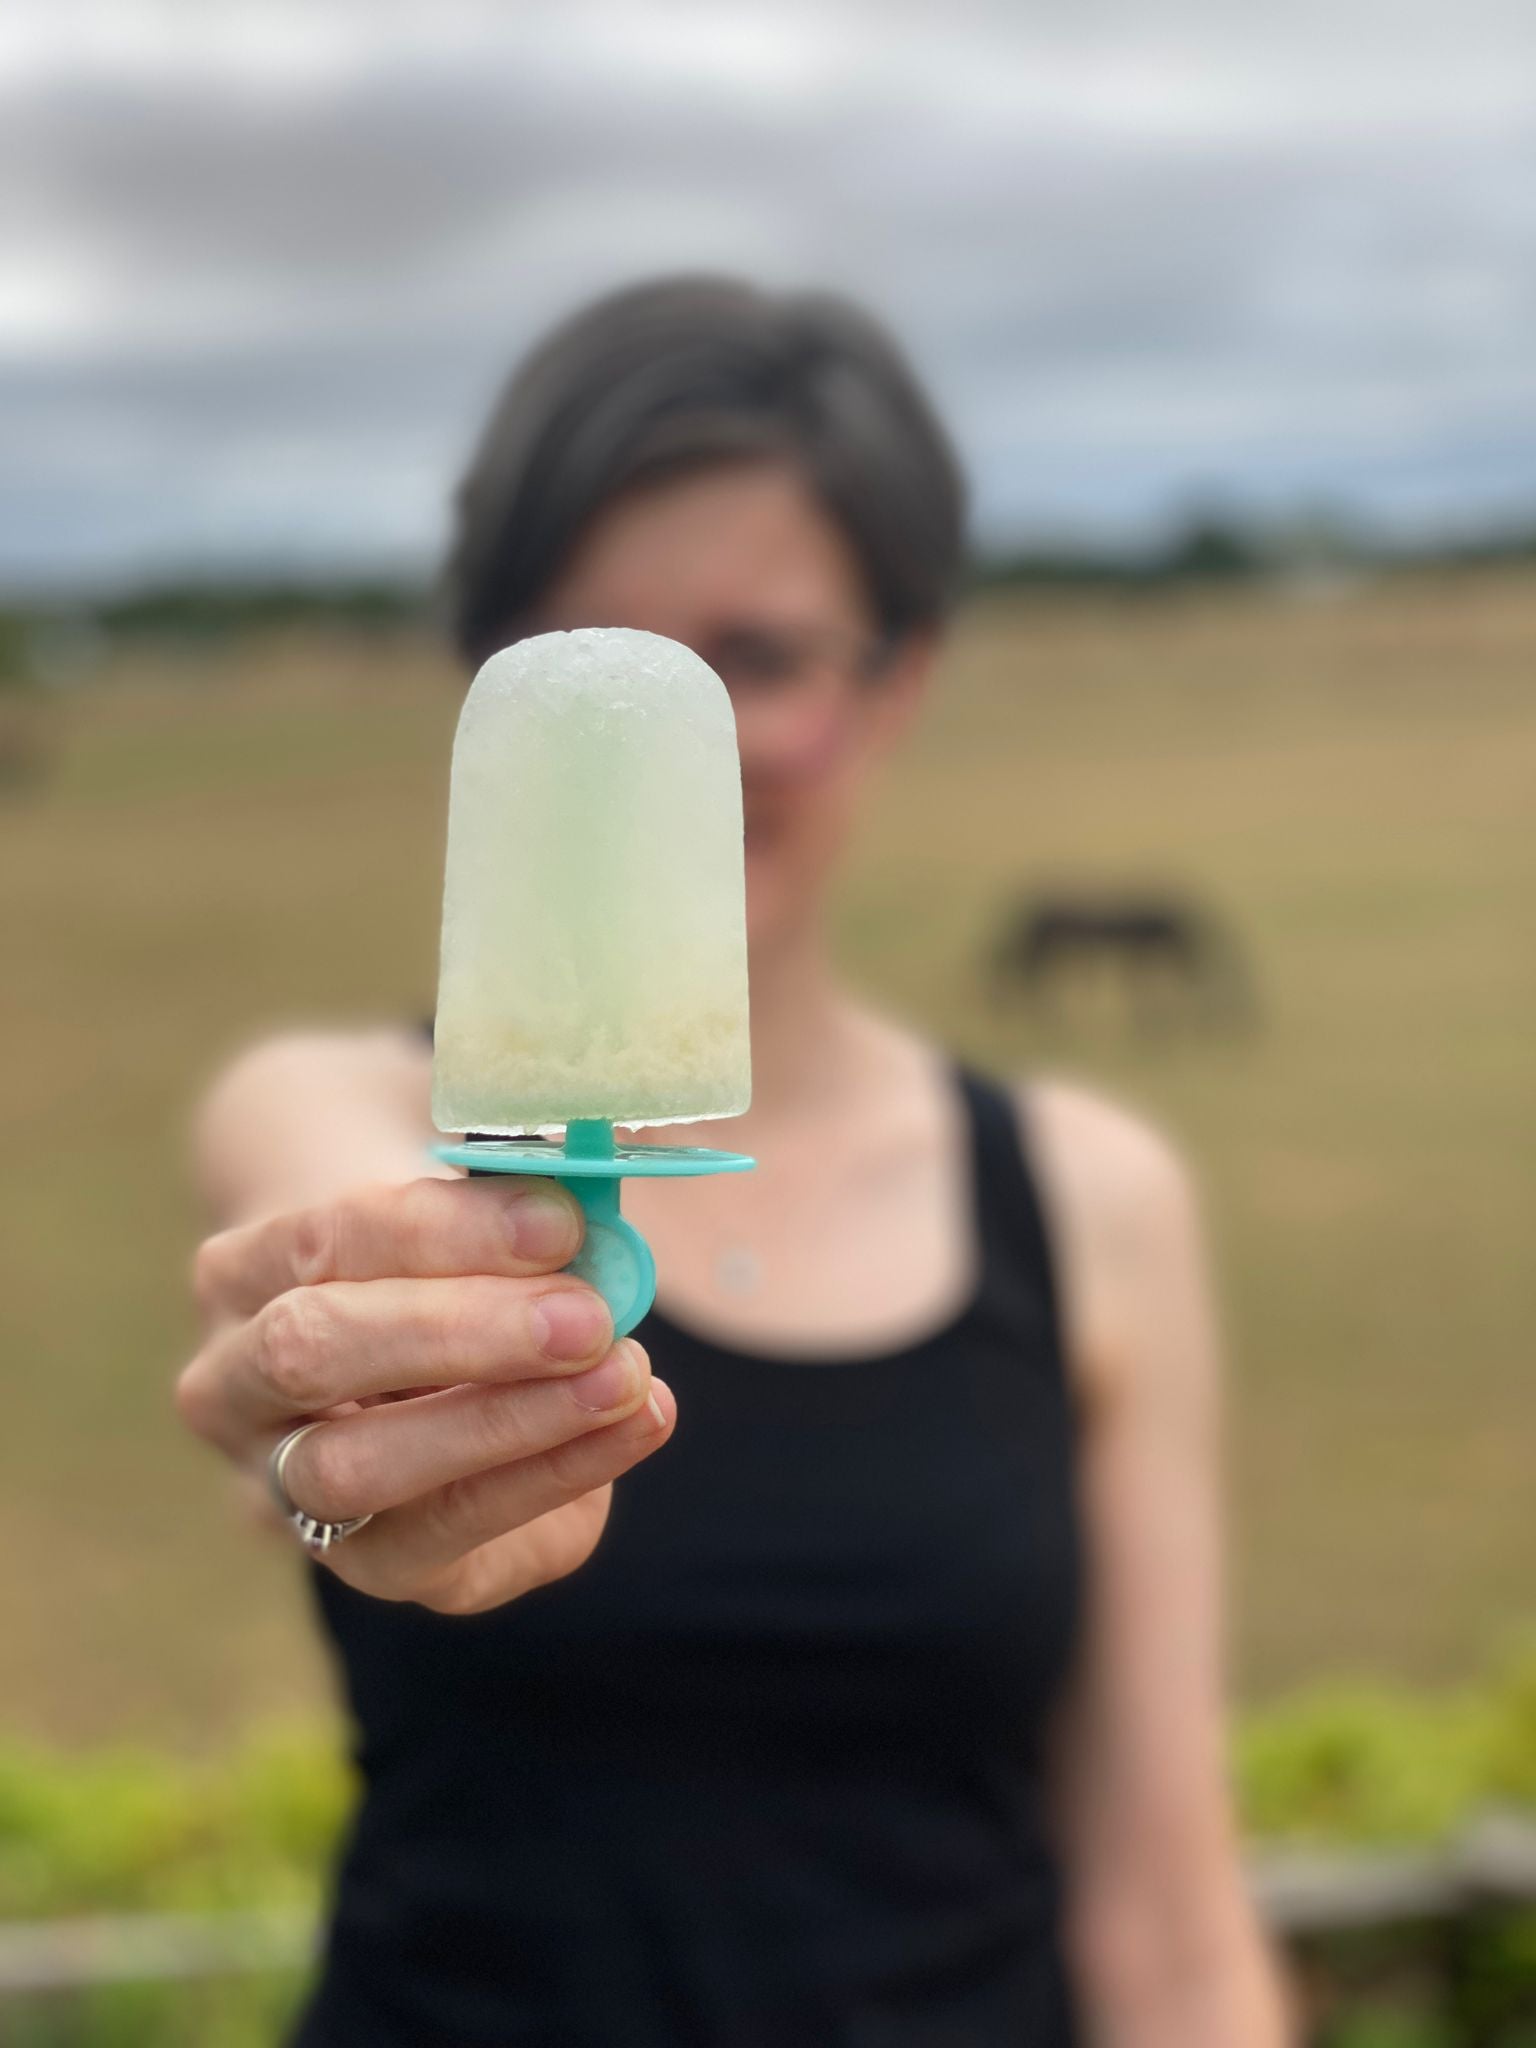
pixel 742 565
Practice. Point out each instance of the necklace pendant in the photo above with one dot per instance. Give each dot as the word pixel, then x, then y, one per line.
pixel 737 1270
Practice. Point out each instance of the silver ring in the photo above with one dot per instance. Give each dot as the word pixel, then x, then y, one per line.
pixel 314 1534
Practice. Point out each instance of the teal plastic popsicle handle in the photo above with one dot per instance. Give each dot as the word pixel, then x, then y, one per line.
pixel 614 1258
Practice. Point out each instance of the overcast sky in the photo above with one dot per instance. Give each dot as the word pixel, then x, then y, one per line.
pixel 261 269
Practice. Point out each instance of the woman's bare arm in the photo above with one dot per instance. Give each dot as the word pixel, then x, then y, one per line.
pixel 303 1116
pixel 1164 1943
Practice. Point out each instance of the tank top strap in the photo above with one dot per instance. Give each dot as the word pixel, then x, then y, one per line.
pixel 1018 1281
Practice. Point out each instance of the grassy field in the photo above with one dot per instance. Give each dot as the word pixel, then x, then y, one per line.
pixel 243 838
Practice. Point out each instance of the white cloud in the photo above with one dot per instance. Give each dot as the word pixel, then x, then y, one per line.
pixel 261 265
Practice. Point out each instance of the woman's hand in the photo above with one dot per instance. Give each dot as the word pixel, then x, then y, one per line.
pixel 476 1404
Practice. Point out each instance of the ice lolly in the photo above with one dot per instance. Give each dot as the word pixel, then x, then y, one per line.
pixel 594 958
pixel 594 966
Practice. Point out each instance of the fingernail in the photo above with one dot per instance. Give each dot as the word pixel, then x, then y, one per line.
pixel 661 1404
pixel 543 1224
pixel 608 1384
pixel 571 1325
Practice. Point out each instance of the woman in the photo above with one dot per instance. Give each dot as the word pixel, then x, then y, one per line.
pixel 836 1664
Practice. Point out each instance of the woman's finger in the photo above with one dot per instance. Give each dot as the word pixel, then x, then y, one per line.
pixel 413 1552
pixel 510 1226
pixel 381 1457
pixel 318 1348
pixel 514 1563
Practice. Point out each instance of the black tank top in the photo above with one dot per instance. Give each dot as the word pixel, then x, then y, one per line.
pixel 766 1771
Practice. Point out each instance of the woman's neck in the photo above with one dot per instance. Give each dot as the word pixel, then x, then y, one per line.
pixel 799 1016
pixel 815 1046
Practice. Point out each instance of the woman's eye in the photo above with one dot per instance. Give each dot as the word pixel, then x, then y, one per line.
pixel 758 663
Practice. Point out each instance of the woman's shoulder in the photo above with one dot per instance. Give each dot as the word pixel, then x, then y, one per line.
pixel 1101 1155
pixel 1123 1210
pixel 325 1053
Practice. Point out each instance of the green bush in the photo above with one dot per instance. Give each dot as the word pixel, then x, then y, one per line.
pixel 1363 1766
pixel 1355 1766
pixel 133 1830
pixel 126 1830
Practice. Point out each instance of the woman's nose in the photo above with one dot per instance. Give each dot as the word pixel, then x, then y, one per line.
pixel 797 763
pixel 785 745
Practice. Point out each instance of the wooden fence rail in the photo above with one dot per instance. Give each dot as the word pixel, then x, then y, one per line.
pixel 64 1955
pixel 1304 1893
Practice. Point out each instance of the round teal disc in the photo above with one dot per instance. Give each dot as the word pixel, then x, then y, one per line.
pixel 614 1258
pixel 629 1162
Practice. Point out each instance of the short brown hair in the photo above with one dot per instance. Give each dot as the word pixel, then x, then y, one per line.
pixel 687 372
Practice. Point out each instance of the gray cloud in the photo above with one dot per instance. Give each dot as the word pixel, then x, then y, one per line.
pixel 260 270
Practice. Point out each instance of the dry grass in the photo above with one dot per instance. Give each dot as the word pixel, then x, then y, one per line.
pixel 254 837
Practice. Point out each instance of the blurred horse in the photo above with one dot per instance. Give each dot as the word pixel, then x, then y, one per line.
pixel 1174 960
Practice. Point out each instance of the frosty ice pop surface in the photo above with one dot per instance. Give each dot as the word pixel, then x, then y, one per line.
pixel 593 945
